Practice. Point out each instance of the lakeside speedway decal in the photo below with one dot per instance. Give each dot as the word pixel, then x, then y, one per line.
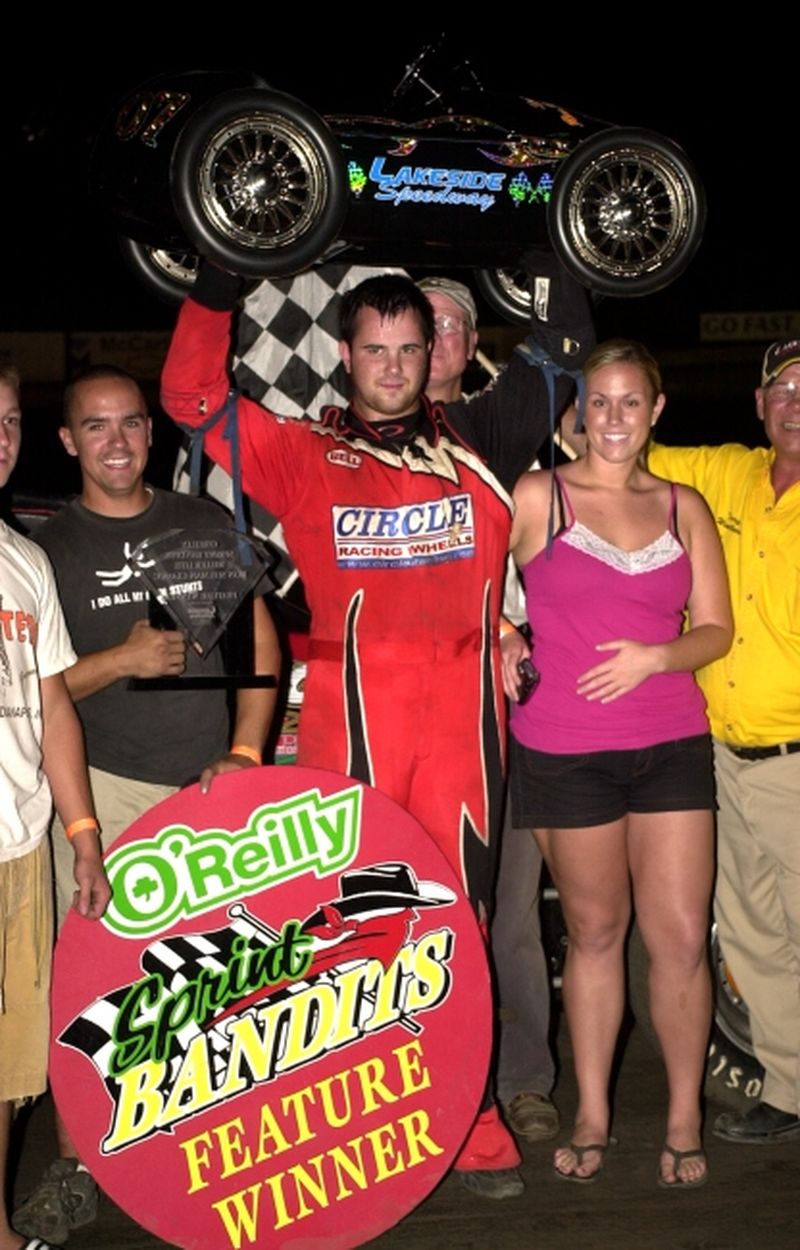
pixel 282 1025
pixel 423 184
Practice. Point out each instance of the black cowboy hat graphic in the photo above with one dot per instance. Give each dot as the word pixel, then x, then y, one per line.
pixel 382 886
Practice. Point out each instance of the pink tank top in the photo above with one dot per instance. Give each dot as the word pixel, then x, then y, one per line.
pixel 588 592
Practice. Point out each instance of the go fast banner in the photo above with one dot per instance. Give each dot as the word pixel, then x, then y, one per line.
pixel 280 1030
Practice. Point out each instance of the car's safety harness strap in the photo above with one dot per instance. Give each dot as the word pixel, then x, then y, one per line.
pixel 228 413
pixel 535 355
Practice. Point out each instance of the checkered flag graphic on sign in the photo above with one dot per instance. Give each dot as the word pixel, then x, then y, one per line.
pixel 287 359
pixel 178 961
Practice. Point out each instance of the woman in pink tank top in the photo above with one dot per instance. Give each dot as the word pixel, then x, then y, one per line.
pixel 611 760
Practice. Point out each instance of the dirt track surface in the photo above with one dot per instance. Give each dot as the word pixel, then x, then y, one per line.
pixel 752 1199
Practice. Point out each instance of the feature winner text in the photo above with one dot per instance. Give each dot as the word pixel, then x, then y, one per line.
pixel 355 1129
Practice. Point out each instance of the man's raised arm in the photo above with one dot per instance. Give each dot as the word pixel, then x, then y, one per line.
pixel 195 381
pixel 196 386
pixel 511 419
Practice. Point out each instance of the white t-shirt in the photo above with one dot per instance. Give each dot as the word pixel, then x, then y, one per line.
pixel 34 644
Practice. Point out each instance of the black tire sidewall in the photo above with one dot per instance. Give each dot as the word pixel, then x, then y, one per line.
pixel 138 258
pixel 564 246
pixel 498 298
pixel 300 253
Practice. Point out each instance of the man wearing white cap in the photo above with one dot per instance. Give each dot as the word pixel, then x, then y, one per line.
pixel 455 319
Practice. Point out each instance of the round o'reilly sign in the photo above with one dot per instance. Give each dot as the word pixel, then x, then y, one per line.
pixel 279 1033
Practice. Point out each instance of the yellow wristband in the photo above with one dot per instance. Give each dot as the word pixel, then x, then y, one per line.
pixel 249 753
pixel 77 826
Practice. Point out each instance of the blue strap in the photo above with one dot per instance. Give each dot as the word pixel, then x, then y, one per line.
pixel 228 413
pixel 196 435
pixel 534 354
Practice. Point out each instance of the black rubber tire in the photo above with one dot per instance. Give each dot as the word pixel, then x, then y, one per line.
pixel 734 1077
pixel 258 183
pixel 627 212
pixel 167 274
pixel 507 293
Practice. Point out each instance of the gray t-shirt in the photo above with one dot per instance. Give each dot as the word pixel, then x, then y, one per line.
pixel 163 736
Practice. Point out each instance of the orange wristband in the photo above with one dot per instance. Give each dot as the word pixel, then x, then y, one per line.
pixel 249 753
pixel 77 826
pixel 506 627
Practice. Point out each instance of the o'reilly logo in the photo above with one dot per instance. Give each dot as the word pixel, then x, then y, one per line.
pixel 183 871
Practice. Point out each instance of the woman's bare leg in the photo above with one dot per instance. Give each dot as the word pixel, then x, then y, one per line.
pixel 671 855
pixel 589 868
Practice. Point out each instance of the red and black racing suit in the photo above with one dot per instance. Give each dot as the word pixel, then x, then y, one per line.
pixel 400 534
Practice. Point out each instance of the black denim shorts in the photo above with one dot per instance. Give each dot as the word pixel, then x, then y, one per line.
pixel 598 787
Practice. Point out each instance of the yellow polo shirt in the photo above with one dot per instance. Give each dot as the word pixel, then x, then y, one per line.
pixel 753 692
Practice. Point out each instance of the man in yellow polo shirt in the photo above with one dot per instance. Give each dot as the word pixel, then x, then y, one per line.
pixel 753 698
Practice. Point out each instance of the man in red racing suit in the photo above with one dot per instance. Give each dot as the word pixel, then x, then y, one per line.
pixel 397 514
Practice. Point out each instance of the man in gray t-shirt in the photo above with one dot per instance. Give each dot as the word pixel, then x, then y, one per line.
pixel 142 745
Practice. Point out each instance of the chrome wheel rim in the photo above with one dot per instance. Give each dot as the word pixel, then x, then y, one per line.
pixel 515 286
pixel 178 266
pixel 261 182
pixel 628 212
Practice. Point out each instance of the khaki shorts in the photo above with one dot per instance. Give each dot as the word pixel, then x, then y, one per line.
pixel 26 943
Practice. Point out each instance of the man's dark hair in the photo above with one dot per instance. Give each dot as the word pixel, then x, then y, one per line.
pixel 9 376
pixel 95 373
pixel 390 295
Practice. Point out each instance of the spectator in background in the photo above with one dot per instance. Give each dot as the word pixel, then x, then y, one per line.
pixel 525 1070
pixel 142 745
pixel 754 708
pixel 42 753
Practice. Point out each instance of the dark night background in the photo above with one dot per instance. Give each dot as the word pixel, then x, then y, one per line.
pixel 722 101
